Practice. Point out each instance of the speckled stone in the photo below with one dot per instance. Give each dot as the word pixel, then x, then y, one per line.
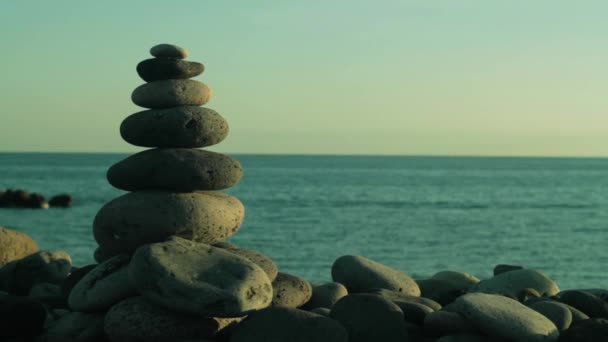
pixel 196 278
pixel 175 170
pixel 290 290
pixel 138 218
pixel 325 295
pixel 171 93
pixel 156 69
pixel 257 258
pixel 15 245
pixel 176 127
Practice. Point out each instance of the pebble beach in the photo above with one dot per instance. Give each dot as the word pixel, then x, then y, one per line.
pixel 164 271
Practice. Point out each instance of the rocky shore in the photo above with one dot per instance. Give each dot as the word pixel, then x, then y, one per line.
pixel 165 271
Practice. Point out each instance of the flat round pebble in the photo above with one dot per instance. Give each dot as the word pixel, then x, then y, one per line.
pixel 359 274
pixel 171 93
pixel 138 218
pixel 185 127
pixel 175 170
pixel 169 50
pixel 157 69
pixel 196 278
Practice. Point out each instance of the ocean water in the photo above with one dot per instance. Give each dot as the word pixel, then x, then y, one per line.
pixel 418 214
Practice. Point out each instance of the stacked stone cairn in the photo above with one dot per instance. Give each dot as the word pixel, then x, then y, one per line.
pixel 165 273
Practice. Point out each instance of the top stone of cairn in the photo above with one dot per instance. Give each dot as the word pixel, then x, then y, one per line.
pixel 169 51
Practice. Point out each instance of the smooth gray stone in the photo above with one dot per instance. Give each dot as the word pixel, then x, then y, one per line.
pixel 135 319
pixel 196 278
pixel 321 311
pixel 586 302
pixel 105 285
pixel 325 295
pixel 171 93
pixel 138 218
pixel 15 245
pixel 400 296
pixel 503 268
pixel 440 290
pixel 256 257
pixel 18 276
pixel 290 290
pixel 558 313
pixel 176 127
pixel 175 170
pixel 163 68
pixel 502 317
pixel 369 317
pixel 460 279
pixel 360 274
pixel 413 312
pixel 512 284
pixel 169 50
pixel 285 324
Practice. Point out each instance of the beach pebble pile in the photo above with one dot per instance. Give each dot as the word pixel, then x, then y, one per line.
pixel 166 273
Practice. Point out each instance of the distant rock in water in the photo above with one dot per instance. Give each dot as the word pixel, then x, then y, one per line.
pixel 22 199
pixel 61 201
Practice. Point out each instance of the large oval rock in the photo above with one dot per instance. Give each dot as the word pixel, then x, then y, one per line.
pixel 369 317
pixel 512 283
pixel 460 279
pixel 359 274
pixel 103 286
pixel 191 277
pixel 557 312
pixel 156 69
pixel 439 323
pixel 502 317
pixel 18 277
pixel 290 290
pixel 171 93
pixel 168 51
pixel 586 302
pixel 176 170
pixel 257 258
pixel 186 127
pixel 589 330
pixel 135 319
pixel 137 218
pixel 440 290
pixel 282 324
pixel 15 245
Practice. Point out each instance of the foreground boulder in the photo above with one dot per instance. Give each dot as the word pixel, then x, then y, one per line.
pixel 18 277
pixel 15 245
pixel 135 319
pixel 196 278
pixel 502 317
pixel 369 317
pixel 21 318
pixel 283 324
pixel 360 274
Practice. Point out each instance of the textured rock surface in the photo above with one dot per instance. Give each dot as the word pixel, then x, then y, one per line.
pixel 171 93
pixel 156 69
pixel 15 245
pixel 18 277
pixel 134 319
pixel 137 218
pixel 325 295
pixel 196 278
pixel 290 290
pixel 185 127
pixel 257 258
pixel 502 317
pixel 102 287
pixel 283 324
pixel 175 170
pixel 512 283
pixel 359 274
pixel 369 317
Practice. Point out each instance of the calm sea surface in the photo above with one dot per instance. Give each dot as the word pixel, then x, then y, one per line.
pixel 418 214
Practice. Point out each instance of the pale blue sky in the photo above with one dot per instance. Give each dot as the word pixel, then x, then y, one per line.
pixel 470 77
